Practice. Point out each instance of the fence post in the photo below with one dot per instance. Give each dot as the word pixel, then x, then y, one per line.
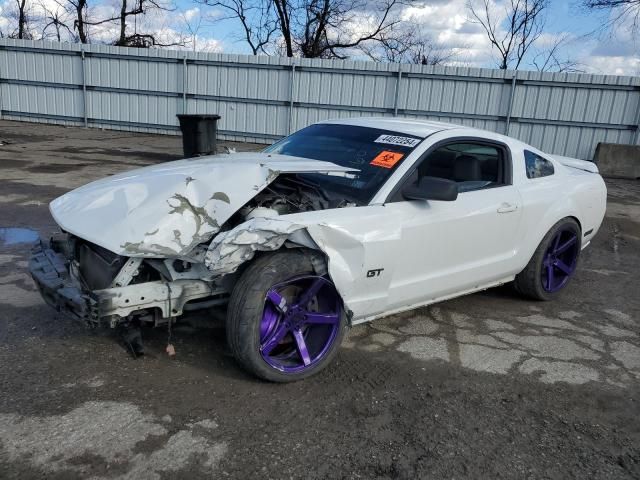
pixel 511 96
pixel 397 91
pixel 637 135
pixel 0 94
pixel 84 89
pixel 291 96
pixel 185 79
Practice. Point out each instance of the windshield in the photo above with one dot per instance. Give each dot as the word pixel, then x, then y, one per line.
pixel 375 153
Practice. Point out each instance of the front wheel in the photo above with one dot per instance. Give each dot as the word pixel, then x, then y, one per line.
pixel 554 262
pixel 284 322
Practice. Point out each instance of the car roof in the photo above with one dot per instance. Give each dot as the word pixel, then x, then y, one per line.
pixel 424 128
pixel 410 126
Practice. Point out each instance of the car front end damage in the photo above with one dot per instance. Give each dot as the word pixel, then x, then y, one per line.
pixel 89 283
pixel 149 245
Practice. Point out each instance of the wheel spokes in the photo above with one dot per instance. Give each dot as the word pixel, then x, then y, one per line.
pixel 300 322
pixel 560 259
pixel 277 300
pixel 276 337
pixel 302 346
pixel 322 318
pixel 563 266
pixel 311 292
pixel 565 246
pixel 550 277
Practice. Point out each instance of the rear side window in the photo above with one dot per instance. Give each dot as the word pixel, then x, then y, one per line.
pixel 537 166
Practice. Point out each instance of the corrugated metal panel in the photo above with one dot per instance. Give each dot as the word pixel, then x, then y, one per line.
pixel 262 98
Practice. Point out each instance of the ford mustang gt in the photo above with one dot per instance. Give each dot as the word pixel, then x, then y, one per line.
pixel 339 223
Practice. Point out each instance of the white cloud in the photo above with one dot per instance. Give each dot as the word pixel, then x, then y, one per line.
pixel 450 26
pixel 614 65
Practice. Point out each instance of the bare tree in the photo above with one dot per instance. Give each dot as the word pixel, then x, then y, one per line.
pixel 80 8
pixel 513 35
pixel 259 24
pixel 329 28
pixel 78 12
pixel 408 46
pixel 54 22
pixel 551 59
pixel 135 39
pixel 21 14
pixel 310 28
pixel 620 11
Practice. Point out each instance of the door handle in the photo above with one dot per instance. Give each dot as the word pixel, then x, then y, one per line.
pixel 507 207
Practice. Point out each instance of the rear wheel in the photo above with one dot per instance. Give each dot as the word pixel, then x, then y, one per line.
pixel 284 322
pixel 554 262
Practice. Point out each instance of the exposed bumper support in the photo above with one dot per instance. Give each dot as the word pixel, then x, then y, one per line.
pixel 49 271
pixel 169 297
pixel 59 289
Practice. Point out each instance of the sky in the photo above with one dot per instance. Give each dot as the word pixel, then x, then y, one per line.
pixel 448 23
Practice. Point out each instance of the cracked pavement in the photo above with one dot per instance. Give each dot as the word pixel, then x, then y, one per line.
pixel 484 386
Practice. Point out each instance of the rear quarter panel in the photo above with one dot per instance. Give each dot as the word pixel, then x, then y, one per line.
pixel 569 192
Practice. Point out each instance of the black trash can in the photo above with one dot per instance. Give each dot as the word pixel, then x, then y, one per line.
pixel 199 133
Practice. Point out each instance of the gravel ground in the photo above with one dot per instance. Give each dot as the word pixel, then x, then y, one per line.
pixel 484 386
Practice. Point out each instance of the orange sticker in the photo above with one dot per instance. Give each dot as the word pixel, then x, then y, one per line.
pixel 387 159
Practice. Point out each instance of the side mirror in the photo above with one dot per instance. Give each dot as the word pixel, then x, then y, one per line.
pixel 431 188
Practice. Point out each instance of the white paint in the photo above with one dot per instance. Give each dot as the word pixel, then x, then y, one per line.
pixel 575 163
pixel 144 208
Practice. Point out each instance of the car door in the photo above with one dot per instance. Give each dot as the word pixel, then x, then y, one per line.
pixel 450 247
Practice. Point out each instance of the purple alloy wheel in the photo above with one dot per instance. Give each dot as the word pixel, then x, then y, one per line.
pixel 560 260
pixel 300 322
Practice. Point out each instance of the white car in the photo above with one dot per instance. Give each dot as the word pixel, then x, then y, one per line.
pixel 339 223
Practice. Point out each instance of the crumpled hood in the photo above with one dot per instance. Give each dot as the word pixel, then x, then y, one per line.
pixel 166 210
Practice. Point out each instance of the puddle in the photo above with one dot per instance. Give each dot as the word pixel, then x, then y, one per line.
pixel 15 236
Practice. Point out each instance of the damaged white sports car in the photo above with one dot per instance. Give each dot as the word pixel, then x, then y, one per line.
pixel 339 223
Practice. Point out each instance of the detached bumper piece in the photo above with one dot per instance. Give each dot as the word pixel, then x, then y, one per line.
pixel 51 275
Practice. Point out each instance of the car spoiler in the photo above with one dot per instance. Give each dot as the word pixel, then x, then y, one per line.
pixel 575 163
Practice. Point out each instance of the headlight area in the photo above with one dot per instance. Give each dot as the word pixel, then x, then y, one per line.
pixel 90 283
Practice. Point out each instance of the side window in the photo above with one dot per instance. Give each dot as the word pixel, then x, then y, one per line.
pixel 537 166
pixel 473 166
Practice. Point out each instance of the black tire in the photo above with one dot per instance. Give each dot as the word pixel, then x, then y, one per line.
pixel 529 282
pixel 246 306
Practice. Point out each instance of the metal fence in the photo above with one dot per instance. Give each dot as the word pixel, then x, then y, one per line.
pixel 262 99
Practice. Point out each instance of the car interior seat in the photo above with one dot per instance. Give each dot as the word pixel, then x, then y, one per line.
pixel 466 168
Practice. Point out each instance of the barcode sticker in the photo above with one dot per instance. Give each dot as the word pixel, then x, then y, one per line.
pixel 398 140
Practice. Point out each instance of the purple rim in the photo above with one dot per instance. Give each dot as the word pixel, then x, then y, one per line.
pixel 300 322
pixel 560 260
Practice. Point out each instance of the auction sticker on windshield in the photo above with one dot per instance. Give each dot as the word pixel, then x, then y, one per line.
pixel 398 140
pixel 387 159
